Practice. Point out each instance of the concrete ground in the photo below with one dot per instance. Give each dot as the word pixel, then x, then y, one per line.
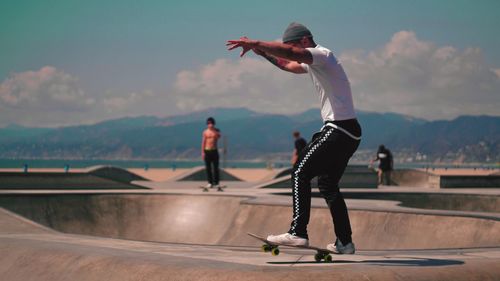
pixel 196 235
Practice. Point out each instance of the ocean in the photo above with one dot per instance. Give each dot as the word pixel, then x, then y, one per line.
pixel 61 163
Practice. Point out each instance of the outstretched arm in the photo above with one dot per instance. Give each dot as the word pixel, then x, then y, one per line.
pixel 287 52
pixel 283 64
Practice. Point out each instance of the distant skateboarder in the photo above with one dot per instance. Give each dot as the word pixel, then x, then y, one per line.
pixel 327 155
pixel 210 154
pixel 385 165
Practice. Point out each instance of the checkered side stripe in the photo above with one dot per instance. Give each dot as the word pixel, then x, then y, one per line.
pixel 296 211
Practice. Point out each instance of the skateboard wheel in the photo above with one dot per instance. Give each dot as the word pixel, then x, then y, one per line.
pixel 275 251
pixel 318 257
pixel 264 248
pixel 328 258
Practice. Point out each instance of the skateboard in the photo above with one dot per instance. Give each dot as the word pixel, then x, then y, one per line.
pixel 321 254
pixel 205 189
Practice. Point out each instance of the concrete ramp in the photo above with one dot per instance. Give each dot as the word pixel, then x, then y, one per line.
pixel 225 220
pixel 353 177
pixel 11 223
pixel 115 174
pixel 101 177
pixel 421 178
pixel 371 230
pixel 283 172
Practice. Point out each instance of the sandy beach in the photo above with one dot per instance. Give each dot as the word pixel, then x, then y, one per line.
pixel 162 174
pixel 246 174
pixel 462 172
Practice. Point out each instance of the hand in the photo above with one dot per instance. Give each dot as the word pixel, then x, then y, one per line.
pixel 245 43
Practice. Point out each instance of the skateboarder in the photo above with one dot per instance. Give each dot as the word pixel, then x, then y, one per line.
pixel 210 154
pixel 327 155
pixel 385 166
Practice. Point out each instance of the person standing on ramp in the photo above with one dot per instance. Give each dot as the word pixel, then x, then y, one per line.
pixel 210 154
pixel 328 154
pixel 385 166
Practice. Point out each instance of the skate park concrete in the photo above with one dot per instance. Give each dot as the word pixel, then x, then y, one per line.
pixel 99 177
pixel 173 231
pixel 355 176
pixel 447 178
pixel 199 174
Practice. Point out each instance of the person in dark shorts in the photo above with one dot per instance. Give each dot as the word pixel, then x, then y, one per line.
pixel 210 154
pixel 299 144
pixel 385 166
pixel 327 155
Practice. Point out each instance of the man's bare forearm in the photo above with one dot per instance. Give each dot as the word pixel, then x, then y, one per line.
pixel 284 56
pixel 278 62
pixel 285 51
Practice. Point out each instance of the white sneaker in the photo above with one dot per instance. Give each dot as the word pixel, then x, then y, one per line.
pixel 288 239
pixel 339 248
pixel 209 185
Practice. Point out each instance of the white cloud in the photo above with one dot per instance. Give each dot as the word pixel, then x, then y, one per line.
pixel 45 89
pixel 247 82
pixel 407 75
pixel 51 97
pixel 418 78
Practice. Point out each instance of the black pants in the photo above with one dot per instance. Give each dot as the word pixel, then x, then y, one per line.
pixel 384 177
pixel 326 157
pixel 212 166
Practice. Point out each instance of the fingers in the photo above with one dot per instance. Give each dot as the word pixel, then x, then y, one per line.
pixel 233 44
pixel 233 47
pixel 242 42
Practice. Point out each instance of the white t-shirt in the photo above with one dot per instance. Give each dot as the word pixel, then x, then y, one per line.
pixel 332 85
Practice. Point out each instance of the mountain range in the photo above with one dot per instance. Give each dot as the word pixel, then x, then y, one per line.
pixel 251 135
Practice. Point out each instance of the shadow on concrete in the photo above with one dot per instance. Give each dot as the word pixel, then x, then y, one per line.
pixel 387 262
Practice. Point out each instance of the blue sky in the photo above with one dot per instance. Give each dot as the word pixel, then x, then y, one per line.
pixel 69 62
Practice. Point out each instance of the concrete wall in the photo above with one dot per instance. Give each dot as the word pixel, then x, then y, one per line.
pixel 99 177
pixel 220 220
pixel 417 178
pixel 491 181
pixel 353 177
pixel 19 180
pixel 414 178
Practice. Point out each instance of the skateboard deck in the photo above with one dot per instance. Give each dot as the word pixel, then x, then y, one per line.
pixel 273 248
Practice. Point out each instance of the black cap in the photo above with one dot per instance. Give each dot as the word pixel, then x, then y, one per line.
pixel 295 31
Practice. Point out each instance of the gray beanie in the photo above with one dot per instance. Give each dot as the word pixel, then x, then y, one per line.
pixel 295 31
